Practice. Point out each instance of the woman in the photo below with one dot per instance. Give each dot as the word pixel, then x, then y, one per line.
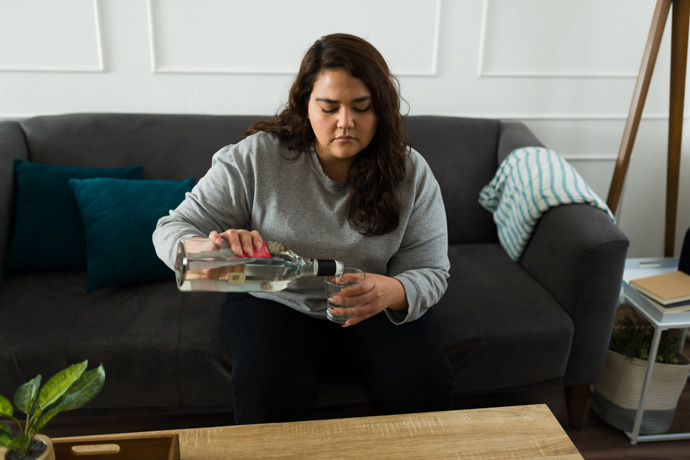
pixel 332 177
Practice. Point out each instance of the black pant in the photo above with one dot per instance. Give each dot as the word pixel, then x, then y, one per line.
pixel 279 355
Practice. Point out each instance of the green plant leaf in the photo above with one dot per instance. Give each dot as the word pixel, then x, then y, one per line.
pixel 633 339
pixel 80 393
pixel 5 439
pixel 5 407
pixel 5 434
pixel 59 383
pixel 86 388
pixel 26 393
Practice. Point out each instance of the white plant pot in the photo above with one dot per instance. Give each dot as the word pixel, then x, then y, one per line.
pixel 617 397
pixel 48 454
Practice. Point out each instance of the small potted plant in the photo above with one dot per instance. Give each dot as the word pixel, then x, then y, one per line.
pixel 616 398
pixel 69 389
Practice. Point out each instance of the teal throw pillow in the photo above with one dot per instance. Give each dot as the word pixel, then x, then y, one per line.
pixel 119 219
pixel 48 233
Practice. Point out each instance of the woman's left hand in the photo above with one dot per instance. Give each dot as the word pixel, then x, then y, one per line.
pixel 372 296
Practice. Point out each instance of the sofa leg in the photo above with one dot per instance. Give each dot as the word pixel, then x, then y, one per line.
pixel 576 399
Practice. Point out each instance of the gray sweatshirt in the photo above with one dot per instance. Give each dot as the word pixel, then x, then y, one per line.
pixel 258 184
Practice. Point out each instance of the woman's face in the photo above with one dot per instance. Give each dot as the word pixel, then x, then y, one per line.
pixel 342 116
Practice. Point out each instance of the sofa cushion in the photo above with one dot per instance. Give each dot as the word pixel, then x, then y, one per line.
pixel 160 348
pixel 119 218
pixel 48 231
pixel 498 326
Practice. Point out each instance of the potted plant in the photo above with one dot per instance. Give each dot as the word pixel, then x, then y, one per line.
pixel 69 389
pixel 616 398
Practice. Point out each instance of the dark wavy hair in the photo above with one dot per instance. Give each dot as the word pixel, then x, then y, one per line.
pixel 375 175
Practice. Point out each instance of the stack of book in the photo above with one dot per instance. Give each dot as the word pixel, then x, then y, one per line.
pixel 668 291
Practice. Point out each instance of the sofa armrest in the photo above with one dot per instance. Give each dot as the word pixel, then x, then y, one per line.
pixel 578 254
pixel 513 135
pixel 12 145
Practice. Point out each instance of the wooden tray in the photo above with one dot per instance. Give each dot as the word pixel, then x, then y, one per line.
pixel 161 447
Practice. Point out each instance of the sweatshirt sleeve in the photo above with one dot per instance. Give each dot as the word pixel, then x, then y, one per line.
pixel 218 202
pixel 421 264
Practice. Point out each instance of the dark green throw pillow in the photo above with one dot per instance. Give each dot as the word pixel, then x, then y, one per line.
pixel 119 219
pixel 48 233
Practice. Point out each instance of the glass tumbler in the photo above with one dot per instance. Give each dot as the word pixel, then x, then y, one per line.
pixel 350 277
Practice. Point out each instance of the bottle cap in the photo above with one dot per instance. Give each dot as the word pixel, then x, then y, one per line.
pixel 327 267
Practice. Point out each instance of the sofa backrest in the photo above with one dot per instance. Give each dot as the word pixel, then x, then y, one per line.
pixel 168 146
pixel 462 153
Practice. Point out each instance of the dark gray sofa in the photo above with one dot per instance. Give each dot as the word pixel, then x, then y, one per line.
pixel 505 325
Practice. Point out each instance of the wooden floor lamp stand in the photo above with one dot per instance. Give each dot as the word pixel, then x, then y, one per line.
pixel 679 55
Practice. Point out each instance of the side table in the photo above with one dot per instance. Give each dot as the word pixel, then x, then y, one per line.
pixel 661 321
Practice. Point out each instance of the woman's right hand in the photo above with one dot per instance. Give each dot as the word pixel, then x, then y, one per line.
pixel 240 241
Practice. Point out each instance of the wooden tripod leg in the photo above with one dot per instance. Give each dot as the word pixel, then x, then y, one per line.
pixel 651 51
pixel 679 57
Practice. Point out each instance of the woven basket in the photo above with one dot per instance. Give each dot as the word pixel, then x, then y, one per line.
pixel 617 396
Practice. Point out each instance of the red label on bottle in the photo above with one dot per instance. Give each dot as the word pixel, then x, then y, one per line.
pixel 261 253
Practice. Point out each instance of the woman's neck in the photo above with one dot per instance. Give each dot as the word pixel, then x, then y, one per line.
pixel 335 168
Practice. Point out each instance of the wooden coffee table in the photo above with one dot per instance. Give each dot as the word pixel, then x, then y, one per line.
pixel 505 432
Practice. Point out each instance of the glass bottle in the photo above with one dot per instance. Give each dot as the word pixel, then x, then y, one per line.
pixel 202 266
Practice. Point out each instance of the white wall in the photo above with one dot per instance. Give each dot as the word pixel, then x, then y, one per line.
pixel 566 68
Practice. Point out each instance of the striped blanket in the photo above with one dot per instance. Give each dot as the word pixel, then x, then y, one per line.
pixel 529 182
